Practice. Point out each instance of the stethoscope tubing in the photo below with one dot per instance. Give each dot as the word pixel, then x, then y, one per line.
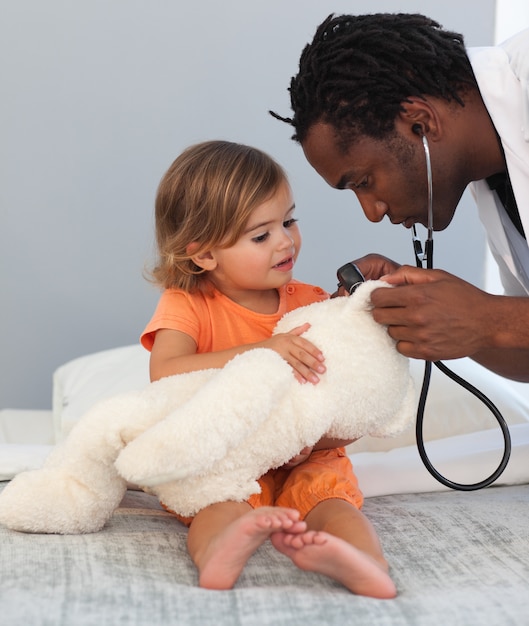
pixel 427 257
pixel 420 424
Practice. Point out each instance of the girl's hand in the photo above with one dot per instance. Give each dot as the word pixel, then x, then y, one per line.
pixel 299 458
pixel 305 359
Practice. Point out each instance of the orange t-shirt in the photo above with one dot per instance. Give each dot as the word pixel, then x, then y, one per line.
pixel 216 323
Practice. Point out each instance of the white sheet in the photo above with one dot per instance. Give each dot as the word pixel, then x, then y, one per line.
pixel 25 426
pixel 26 438
pixel 463 459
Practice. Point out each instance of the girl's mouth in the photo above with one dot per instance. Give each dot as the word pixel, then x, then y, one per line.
pixel 285 264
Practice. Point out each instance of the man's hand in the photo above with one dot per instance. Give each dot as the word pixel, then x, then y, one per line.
pixel 374 266
pixel 433 315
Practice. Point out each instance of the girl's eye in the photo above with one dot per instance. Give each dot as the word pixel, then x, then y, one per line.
pixel 289 223
pixel 261 238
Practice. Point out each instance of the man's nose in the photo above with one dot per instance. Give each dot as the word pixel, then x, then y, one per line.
pixel 375 211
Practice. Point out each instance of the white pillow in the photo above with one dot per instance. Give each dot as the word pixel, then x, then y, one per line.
pixel 79 384
pixel 450 409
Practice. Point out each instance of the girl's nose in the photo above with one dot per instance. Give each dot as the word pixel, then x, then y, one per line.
pixel 287 239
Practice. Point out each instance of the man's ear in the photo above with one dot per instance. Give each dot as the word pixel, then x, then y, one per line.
pixel 420 117
pixel 204 259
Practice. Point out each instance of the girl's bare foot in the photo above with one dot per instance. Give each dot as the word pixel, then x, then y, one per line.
pixel 226 556
pixel 318 551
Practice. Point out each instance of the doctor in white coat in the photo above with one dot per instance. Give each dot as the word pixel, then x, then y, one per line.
pixel 502 74
pixel 376 97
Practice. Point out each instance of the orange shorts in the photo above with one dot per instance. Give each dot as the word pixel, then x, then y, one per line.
pixel 325 474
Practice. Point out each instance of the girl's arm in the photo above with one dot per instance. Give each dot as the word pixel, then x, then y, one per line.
pixel 174 352
pixel 325 443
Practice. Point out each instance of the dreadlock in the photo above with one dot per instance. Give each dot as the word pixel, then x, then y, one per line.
pixel 358 71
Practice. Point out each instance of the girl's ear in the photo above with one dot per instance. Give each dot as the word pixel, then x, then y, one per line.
pixel 204 259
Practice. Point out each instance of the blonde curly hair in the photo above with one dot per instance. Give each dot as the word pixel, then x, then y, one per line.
pixel 206 198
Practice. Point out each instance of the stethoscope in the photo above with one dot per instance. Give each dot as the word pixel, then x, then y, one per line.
pixel 350 277
pixel 424 258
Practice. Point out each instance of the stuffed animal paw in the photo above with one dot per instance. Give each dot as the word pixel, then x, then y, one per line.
pixel 50 500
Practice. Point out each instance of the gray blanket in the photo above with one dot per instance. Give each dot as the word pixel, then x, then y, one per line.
pixel 457 558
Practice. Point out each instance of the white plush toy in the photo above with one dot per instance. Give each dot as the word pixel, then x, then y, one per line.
pixel 207 436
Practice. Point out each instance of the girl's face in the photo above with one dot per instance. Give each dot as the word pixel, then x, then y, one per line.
pixel 263 258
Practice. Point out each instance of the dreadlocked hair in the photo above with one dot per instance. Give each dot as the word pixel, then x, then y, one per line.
pixel 358 71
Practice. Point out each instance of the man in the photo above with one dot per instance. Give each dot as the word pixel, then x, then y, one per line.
pixel 369 88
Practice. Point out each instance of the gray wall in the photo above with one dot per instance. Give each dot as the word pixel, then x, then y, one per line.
pixel 98 97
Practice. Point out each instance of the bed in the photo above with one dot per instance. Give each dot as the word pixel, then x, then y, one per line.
pixel 457 557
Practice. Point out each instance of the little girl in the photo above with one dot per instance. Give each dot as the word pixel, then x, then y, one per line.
pixel 227 243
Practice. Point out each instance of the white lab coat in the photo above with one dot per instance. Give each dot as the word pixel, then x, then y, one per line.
pixel 502 74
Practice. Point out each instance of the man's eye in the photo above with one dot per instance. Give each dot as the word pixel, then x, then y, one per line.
pixel 361 185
